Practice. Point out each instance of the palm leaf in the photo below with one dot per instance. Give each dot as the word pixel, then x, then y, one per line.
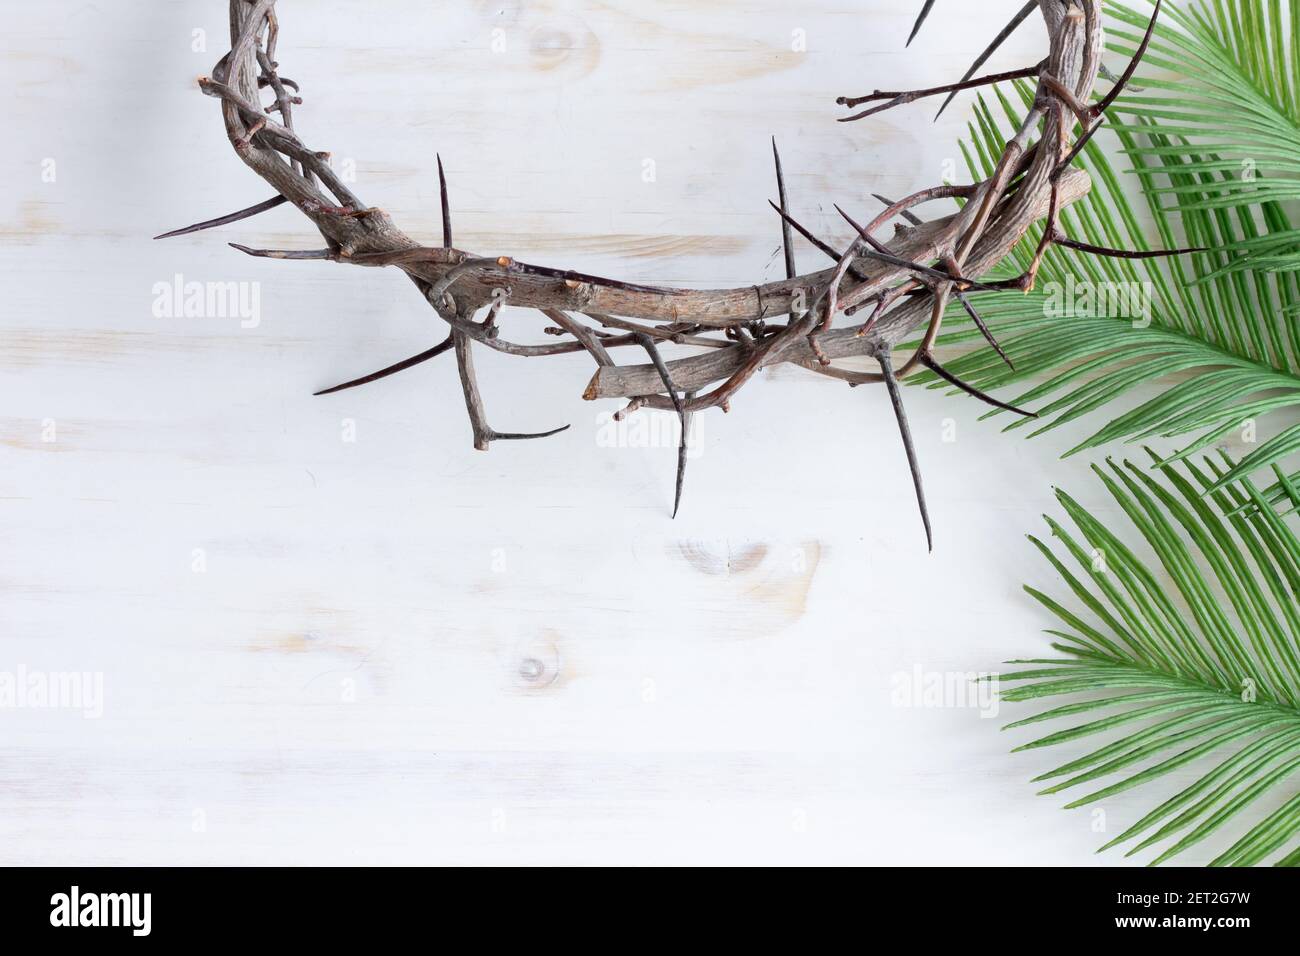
pixel 1194 668
pixel 1226 322
pixel 1233 96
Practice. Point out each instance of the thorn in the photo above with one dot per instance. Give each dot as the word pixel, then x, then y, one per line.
pixel 880 251
pixel 1009 29
pixel 392 369
pixel 284 253
pixel 920 20
pixel 787 237
pixel 225 220
pixel 905 431
pixel 906 213
pixel 984 329
pixel 580 278
pixel 1129 70
pixel 524 436
pixel 446 207
pixel 647 343
pixel 829 250
pixel 1100 108
pixel 1061 240
pixel 682 449
pixel 929 362
pixel 819 244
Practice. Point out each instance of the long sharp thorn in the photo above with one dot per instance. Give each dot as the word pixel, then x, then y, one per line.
pixel 862 231
pixel 817 243
pixel 647 343
pixel 524 436
pixel 905 431
pixel 1129 70
pixel 681 457
pixel 969 389
pixel 570 275
pixel 1100 108
pixel 446 207
pixel 906 213
pixel 225 220
pixel 821 246
pixel 787 235
pixel 392 369
pixel 880 251
pixel 920 21
pixel 1124 253
pixel 984 329
pixel 283 253
pixel 998 40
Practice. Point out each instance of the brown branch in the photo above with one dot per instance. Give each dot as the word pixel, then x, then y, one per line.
pixel 698 371
pixel 484 434
pixel 902 97
pixel 896 276
pixel 961 297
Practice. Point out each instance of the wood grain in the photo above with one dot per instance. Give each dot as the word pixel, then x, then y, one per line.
pixel 329 630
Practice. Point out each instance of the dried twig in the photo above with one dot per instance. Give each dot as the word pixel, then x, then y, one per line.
pixel 899 98
pixel 906 279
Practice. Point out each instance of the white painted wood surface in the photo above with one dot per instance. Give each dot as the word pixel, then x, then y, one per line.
pixel 397 649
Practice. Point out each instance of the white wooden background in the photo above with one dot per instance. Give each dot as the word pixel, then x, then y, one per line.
pixel 397 649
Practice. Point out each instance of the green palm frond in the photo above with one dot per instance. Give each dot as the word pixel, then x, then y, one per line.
pixel 1225 322
pixel 1189 664
pixel 1232 109
pixel 1228 99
